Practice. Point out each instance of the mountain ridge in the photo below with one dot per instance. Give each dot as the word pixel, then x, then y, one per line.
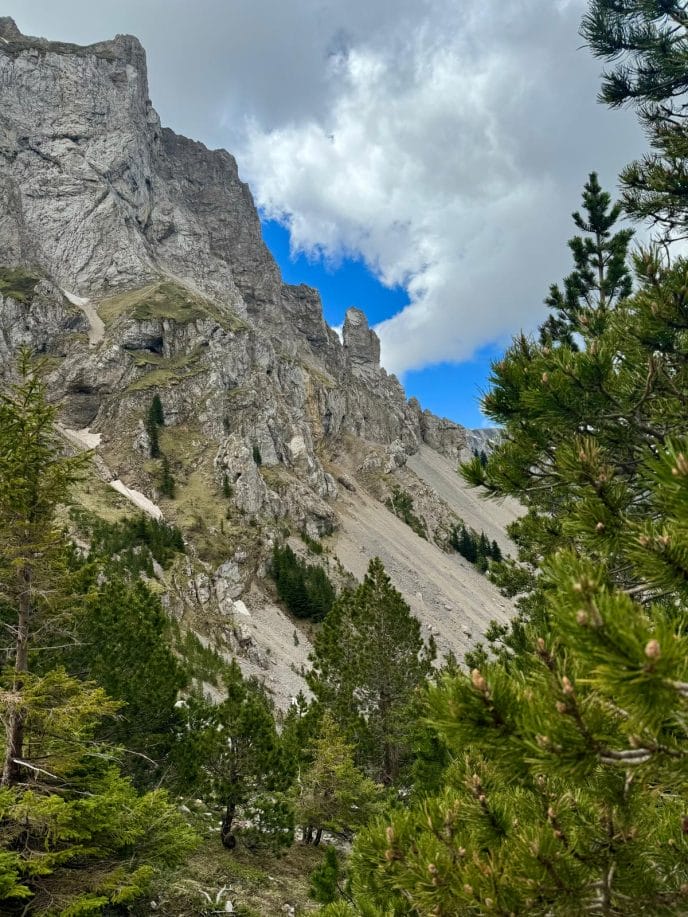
pixel 132 259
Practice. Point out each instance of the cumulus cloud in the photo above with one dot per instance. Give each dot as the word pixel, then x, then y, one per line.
pixel 445 143
pixel 450 161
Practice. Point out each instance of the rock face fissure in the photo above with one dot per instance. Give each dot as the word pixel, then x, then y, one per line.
pixel 132 259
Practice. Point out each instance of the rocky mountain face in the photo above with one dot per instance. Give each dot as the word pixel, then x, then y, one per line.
pixel 132 259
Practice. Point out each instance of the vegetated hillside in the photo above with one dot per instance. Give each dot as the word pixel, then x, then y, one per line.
pixel 132 260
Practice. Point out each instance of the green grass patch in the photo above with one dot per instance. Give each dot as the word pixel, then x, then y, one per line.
pixel 18 283
pixel 164 371
pixel 167 300
pixel 260 884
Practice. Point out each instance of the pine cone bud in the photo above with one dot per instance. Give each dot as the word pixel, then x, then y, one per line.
pixel 468 889
pixel 567 686
pixel 653 650
pixel 390 834
pixel 432 869
pixel 600 527
pixel 478 681
pixel 681 467
pixel 551 814
pixel 545 378
pixel 582 617
pixel 644 540
pixel 489 903
pixel 561 707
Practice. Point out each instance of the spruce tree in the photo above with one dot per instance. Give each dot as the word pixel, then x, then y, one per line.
pixel 144 675
pixel 34 478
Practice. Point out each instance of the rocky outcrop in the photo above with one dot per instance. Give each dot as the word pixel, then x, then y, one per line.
pixel 361 344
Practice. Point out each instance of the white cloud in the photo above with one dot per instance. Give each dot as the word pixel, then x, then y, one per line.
pixel 450 161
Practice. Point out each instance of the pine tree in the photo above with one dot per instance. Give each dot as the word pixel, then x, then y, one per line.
pixel 567 788
pixel 229 752
pixel 647 42
pixel 600 278
pixel 368 659
pixel 333 794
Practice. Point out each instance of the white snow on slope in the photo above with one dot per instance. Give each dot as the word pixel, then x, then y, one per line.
pixel 137 498
pixel 96 326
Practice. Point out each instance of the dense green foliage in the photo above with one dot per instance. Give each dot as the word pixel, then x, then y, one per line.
pixel 304 588
pixel 477 549
pixel 123 644
pixel 566 785
pixel 75 836
pixel 325 878
pixel 647 42
pixel 332 793
pixel 132 544
pixel 229 751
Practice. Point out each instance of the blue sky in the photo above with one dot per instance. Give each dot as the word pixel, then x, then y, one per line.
pixel 448 389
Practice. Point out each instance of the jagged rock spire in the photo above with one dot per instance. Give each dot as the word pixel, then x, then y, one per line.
pixel 361 344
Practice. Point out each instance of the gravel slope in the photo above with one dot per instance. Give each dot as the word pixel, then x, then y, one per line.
pixel 489 516
pixel 446 593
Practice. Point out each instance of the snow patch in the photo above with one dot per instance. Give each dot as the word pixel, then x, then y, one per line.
pixel 84 436
pixel 96 326
pixel 76 300
pixel 137 498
